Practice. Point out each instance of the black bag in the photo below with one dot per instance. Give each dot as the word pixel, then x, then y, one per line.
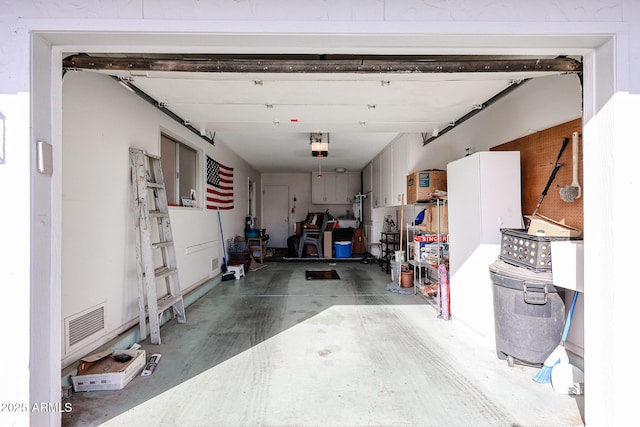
pixel 228 276
pixel 293 244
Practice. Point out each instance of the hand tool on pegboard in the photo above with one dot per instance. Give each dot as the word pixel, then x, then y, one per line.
pixel 565 142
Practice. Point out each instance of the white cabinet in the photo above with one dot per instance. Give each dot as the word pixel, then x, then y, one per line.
pixel 367 175
pixel 367 190
pixel 484 196
pixel 389 170
pixel 400 152
pixel 354 185
pixel 322 187
pixel 386 174
pixel 376 184
pixel 347 185
pixel 334 188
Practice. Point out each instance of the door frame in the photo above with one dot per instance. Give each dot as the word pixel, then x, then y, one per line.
pixel 46 276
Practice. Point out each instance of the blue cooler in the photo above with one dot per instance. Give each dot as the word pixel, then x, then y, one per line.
pixel 342 249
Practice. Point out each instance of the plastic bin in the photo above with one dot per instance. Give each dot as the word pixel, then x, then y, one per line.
pixel 393 269
pixel 528 314
pixel 342 249
pixel 406 274
pixel 406 279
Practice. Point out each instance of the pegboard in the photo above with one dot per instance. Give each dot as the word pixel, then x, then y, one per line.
pixel 538 154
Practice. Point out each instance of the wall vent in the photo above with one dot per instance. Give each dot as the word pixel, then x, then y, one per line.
pixel 214 264
pixel 84 324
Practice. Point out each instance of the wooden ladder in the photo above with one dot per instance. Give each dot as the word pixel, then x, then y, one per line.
pixel 151 213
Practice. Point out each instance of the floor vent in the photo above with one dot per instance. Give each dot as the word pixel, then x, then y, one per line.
pixel 84 324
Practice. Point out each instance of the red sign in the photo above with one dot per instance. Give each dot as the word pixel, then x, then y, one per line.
pixel 430 238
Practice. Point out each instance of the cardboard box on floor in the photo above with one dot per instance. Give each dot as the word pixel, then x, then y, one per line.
pixel 327 247
pixel 359 241
pixel 101 371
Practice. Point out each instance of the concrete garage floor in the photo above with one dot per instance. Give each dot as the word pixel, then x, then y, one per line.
pixel 275 349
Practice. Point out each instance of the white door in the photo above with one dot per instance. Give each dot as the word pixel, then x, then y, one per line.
pixel 275 213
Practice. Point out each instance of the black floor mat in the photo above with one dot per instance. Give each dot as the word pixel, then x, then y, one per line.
pixel 321 275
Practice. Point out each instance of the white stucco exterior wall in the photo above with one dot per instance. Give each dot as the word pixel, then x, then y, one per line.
pixel 612 92
pixel 15 219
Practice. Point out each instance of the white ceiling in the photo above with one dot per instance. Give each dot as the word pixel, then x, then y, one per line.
pixel 266 118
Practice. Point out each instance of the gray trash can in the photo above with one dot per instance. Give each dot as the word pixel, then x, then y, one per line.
pixel 528 314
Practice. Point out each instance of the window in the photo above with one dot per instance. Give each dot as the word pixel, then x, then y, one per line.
pixel 180 170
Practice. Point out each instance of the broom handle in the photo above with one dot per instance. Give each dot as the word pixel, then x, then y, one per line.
pixel 401 221
pixel 565 333
pixel 224 247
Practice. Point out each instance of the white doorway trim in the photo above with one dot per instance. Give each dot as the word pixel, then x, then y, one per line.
pixel 46 279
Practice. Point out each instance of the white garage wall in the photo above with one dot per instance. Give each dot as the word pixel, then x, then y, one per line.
pixel 101 120
pixel 300 186
pixel 538 104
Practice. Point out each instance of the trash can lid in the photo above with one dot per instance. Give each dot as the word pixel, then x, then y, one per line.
pixel 521 273
pixel 520 278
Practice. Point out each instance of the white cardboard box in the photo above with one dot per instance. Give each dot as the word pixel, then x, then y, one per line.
pixel 548 227
pixel 101 372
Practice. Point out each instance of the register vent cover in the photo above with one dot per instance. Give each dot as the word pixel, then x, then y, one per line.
pixel 84 324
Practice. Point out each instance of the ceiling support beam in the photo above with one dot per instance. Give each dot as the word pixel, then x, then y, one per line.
pixel 514 85
pixel 321 64
pixel 133 88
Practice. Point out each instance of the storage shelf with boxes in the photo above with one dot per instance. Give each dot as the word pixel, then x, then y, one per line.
pixel 430 239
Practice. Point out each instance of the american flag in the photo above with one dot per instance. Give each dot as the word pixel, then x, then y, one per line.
pixel 219 185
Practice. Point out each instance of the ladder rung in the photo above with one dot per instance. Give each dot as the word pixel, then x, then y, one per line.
pixel 164 271
pixel 154 185
pixel 168 301
pixel 159 245
pixel 152 156
pixel 158 214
